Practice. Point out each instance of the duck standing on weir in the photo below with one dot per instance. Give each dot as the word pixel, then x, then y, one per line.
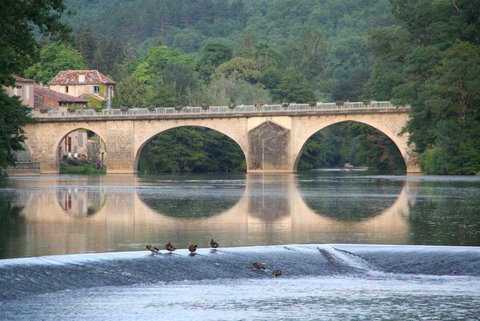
pixel 214 244
pixel 192 248
pixel 152 249
pixel 169 247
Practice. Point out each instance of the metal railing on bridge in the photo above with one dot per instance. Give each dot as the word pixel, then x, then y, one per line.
pixel 247 109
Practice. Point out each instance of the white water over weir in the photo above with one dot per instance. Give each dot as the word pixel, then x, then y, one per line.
pixel 319 282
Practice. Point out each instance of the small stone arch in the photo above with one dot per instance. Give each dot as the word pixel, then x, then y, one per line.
pixel 62 147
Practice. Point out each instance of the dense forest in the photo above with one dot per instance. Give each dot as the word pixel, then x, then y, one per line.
pixel 191 52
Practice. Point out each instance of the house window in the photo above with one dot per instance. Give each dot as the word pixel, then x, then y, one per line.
pixel 96 89
pixel 68 144
pixel 66 89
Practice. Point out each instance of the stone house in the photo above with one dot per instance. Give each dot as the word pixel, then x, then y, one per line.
pixel 23 89
pixel 84 83
pixel 47 99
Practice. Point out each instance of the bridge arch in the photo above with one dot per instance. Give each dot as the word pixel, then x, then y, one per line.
pixel 391 129
pixel 64 145
pixel 148 138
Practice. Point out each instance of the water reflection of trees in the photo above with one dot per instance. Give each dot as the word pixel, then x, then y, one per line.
pixel 349 199
pixel 188 203
pixel 447 215
pixel 11 222
pixel 81 202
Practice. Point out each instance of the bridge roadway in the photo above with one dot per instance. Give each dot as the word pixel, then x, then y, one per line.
pixel 271 137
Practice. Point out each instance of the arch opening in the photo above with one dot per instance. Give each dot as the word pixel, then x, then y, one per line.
pixel 351 146
pixel 190 149
pixel 81 151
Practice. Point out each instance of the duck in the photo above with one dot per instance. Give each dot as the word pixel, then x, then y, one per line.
pixel 169 247
pixel 192 248
pixel 214 244
pixel 258 266
pixel 152 249
pixel 277 273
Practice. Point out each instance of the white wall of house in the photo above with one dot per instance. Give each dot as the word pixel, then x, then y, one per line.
pixel 24 91
pixel 79 90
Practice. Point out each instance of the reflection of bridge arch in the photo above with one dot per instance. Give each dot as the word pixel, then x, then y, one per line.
pixel 297 217
pixel 80 201
pixel 393 220
pixel 124 216
pixel 156 131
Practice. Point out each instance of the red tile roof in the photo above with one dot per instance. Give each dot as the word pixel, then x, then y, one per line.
pixel 74 77
pixel 21 79
pixel 60 97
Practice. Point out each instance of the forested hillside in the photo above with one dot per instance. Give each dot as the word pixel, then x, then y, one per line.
pixel 214 52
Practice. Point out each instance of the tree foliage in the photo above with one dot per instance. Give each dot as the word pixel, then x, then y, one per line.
pixel 21 22
pixel 13 116
pixel 54 57
pixel 190 149
pixel 430 61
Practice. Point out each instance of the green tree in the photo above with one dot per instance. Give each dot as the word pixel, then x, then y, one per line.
pixel 20 22
pixel 86 42
pixel 212 56
pixel 191 149
pixel 13 116
pixel 430 59
pixel 293 87
pixel 132 92
pixel 306 52
pixel 453 96
pixel 170 74
pixel 108 57
pixel 238 68
pixel 54 57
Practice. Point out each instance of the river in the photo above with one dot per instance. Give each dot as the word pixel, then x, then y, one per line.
pixel 351 247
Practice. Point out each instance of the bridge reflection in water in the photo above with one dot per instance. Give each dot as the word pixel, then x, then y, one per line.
pixel 79 214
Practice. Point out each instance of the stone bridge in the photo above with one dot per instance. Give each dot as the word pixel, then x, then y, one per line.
pixel 271 137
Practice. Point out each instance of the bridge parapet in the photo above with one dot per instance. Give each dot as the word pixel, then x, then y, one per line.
pixel 239 109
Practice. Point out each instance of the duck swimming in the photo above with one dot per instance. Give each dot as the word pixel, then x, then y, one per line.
pixel 258 266
pixel 277 273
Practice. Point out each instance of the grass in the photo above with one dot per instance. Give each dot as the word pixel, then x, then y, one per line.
pixel 81 167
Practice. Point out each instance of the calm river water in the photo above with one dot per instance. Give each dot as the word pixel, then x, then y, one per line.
pixel 351 246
